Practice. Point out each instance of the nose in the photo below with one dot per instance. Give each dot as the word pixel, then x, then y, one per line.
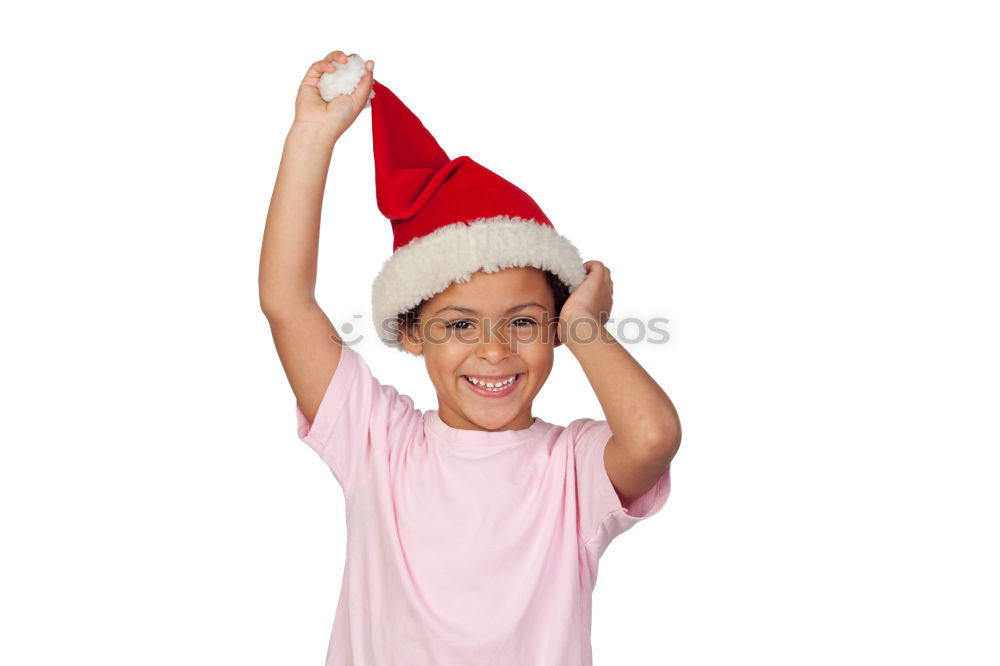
pixel 493 345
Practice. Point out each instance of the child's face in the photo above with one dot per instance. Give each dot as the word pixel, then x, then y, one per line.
pixel 491 337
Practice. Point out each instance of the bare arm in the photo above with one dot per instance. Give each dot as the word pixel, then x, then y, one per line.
pixel 308 344
pixel 646 431
pixel 288 255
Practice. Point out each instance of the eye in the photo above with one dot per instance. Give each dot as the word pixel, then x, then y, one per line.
pixel 528 322
pixel 455 324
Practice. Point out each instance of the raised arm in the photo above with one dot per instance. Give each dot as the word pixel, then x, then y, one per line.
pixel 308 344
pixel 645 428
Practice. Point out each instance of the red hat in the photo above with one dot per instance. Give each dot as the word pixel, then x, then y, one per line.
pixel 450 218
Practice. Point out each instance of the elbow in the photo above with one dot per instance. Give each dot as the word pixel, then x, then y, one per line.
pixel 652 439
pixel 665 440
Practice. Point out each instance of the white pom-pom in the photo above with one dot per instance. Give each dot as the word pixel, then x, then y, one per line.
pixel 344 80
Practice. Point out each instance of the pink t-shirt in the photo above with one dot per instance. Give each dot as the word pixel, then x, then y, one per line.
pixel 464 547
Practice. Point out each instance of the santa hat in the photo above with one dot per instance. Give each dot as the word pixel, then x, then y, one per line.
pixel 450 218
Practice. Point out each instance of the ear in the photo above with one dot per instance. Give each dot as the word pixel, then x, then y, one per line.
pixel 410 341
pixel 556 342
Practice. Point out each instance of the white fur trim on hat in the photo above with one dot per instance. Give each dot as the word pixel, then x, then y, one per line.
pixel 426 266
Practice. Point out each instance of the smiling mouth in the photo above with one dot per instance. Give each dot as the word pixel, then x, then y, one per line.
pixel 498 389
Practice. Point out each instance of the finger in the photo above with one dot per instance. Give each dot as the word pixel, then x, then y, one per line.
pixel 364 90
pixel 367 79
pixel 332 54
pixel 313 73
pixel 316 70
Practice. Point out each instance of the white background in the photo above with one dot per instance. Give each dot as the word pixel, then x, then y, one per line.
pixel 808 191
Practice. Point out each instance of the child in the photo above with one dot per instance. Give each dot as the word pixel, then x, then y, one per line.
pixel 474 530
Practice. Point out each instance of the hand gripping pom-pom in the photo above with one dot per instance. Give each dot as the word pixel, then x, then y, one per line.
pixel 344 80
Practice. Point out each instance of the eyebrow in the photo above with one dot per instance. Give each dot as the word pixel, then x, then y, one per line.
pixel 459 308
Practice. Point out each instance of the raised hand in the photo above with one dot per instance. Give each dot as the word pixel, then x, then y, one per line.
pixel 591 300
pixel 339 113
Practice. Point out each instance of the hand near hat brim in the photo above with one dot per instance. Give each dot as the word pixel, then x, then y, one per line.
pixel 591 300
pixel 340 112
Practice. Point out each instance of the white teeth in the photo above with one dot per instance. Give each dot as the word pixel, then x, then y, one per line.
pixel 492 386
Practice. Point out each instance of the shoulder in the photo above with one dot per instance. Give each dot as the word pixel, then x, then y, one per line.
pixel 587 431
pixel 370 400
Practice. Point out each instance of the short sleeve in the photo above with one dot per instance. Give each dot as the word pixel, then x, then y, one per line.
pixel 356 420
pixel 602 516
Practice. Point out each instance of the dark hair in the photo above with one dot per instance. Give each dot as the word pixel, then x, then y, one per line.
pixel 560 292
